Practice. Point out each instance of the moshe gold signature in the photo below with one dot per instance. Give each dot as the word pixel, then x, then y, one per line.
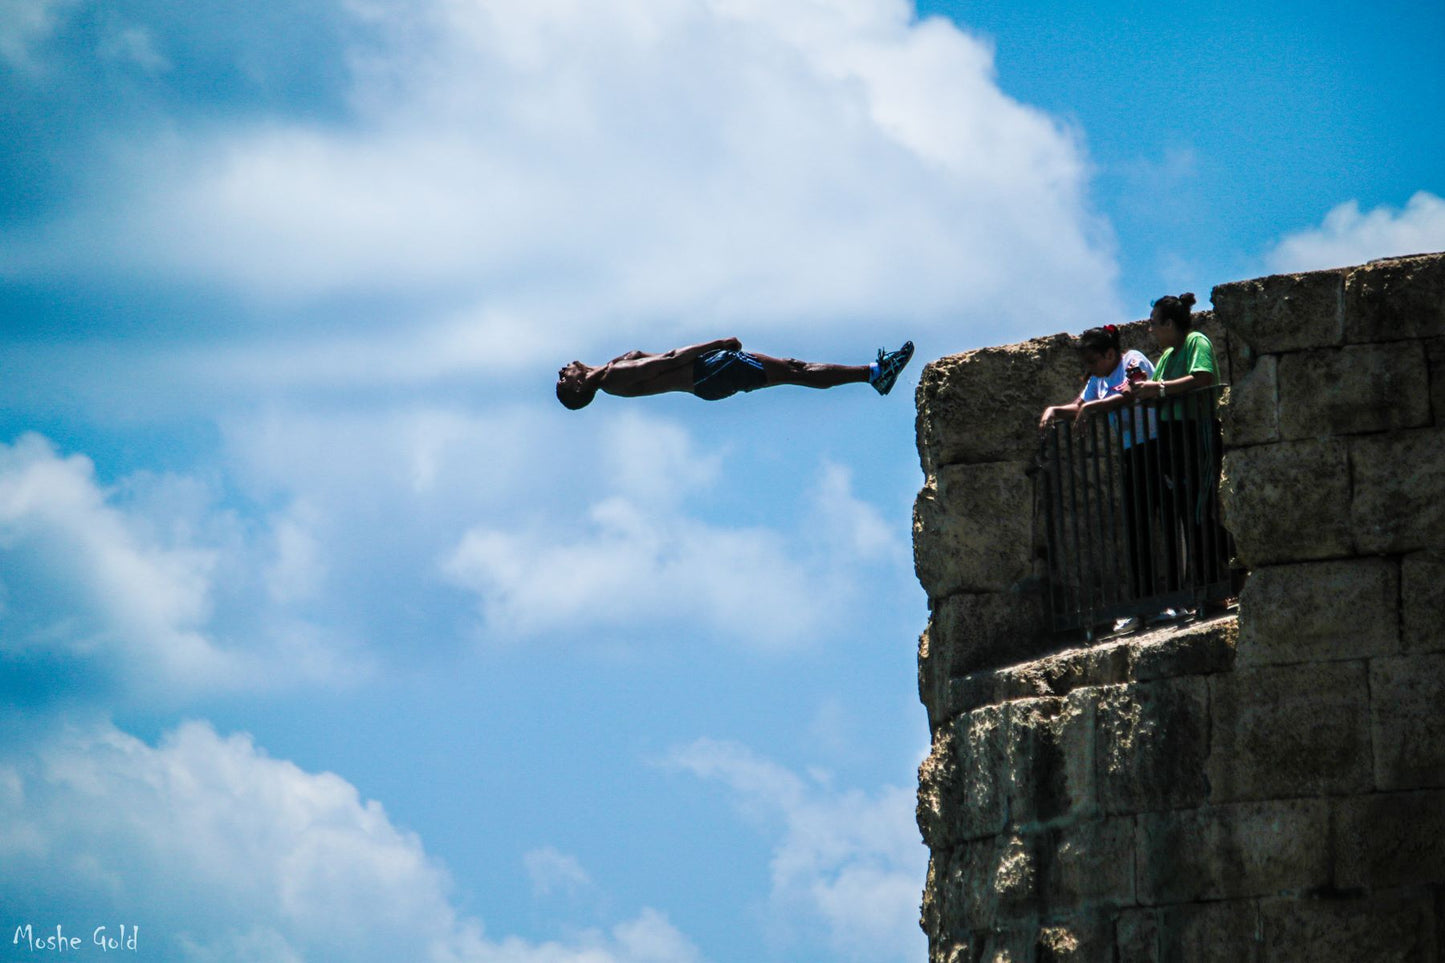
pixel 126 938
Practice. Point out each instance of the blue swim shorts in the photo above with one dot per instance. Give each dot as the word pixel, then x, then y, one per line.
pixel 718 374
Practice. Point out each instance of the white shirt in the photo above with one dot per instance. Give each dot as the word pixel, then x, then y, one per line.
pixel 1100 388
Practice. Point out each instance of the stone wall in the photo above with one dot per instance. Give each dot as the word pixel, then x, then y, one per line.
pixel 1265 788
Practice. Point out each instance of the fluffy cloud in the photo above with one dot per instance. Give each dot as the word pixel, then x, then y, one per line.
pixel 848 866
pixel 552 871
pixel 25 25
pixel 1348 236
pixel 556 172
pixel 125 581
pixel 638 550
pixel 220 852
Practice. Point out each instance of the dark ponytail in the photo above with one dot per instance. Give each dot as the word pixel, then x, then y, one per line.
pixel 1175 310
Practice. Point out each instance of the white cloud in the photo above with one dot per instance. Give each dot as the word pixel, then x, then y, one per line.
pixel 26 25
pixel 220 852
pixel 847 867
pixel 856 528
pixel 1347 236
pixel 559 173
pixel 632 566
pixel 639 555
pixel 553 871
pixel 126 580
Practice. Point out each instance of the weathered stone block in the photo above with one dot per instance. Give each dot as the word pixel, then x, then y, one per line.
pixel 1288 502
pixel 1320 611
pixel 998 881
pixel 1387 840
pixel 1250 412
pixel 933 680
pixel 931 910
pixel 1406 698
pixel 972 632
pixel 1136 936
pixel 1285 312
pixel 1079 940
pixel 1231 353
pixel 984 405
pixel 968 692
pixel 1398 480
pixel 939 790
pixel 1195 649
pixel 1008 946
pixel 1060 673
pixel 1208 932
pixel 1090 865
pixel 1232 852
pixel 973 529
pixel 961 785
pixel 1422 602
pixel 1153 739
pixel 1050 758
pixel 1435 355
pixel 1396 298
pixel 1349 930
pixel 1192 933
pixel 1298 730
pixel 1355 389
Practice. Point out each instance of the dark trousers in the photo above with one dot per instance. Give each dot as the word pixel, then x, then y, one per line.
pixel 1139 508
pixel 1189 455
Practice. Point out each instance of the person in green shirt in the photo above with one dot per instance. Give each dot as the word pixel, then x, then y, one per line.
pixel 1188 359
pixel 1189 445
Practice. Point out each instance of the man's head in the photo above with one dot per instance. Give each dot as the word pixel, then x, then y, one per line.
pixel 574 389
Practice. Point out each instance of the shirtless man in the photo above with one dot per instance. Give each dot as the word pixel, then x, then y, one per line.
pixel 716 369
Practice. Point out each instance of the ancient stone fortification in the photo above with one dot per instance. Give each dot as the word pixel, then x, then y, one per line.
pixel 1265 788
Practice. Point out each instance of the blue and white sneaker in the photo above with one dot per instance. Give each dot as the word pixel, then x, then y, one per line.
pixel 889 365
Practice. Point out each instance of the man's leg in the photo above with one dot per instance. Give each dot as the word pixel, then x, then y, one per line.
pixel 810 374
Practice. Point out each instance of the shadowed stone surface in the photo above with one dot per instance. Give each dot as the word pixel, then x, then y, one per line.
pixel 1398 481
pixel 1422 591
pixel 1408 727
pixel 1228 852
pixel 1153 742
pixel 1389 930
pixel 973 529
pixel 1288 502
pixel 1389 839
pixel 1320 611
pixel 1287 731
pixel 1250 412
pixel 1356 389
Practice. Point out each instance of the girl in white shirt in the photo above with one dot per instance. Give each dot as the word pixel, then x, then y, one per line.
pixel 1110 368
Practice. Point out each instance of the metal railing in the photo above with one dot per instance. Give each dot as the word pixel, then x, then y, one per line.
pixel 1131 507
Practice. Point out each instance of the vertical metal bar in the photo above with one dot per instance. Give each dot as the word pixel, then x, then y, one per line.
pixel 1128 512
pixel 1062 533
pixel 1208 478
pixel 1074 514
pixel 1048 459
pixel 1090 555
pixel 1155 463
pixel 1193 469
pixel 1118 526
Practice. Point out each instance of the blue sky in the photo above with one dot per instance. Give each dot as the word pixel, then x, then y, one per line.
pixel 325 632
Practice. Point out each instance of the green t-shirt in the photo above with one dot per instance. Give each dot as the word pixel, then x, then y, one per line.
pixel 1196 354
